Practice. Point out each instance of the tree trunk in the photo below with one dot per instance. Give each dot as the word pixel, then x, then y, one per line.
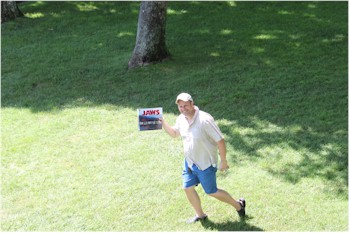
pixel 150 40
pixel 9 11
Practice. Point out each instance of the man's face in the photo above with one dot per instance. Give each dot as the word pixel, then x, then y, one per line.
pixel 186 108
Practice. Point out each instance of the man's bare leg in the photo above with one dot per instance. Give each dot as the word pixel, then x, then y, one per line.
pixel 195 201
pixel 224 196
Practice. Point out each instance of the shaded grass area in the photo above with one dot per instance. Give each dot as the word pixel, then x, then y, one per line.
pixel 273 74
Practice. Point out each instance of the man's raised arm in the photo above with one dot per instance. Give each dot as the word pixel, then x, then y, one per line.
pixel 170 130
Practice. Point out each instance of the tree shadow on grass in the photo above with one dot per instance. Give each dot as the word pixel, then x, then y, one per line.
pixel 230 225
pixel 311 153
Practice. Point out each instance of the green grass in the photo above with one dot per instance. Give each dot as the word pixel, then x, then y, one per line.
pixel 273 75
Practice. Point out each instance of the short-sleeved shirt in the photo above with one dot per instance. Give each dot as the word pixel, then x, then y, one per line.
pixel 199 139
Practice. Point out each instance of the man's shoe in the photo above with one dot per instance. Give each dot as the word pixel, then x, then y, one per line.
pixel 241 212
pixel 196 219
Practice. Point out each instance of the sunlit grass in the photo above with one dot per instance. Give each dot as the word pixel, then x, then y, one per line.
pixel 35 15
pixel 73 159
pixel 265 37
pixel 82 6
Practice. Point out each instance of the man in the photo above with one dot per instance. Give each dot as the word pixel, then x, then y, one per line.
pixel 201 138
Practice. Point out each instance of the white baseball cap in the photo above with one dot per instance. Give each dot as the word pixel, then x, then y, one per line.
pixel 184 97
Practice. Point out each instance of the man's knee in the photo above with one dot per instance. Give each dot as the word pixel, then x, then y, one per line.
pixel 189 189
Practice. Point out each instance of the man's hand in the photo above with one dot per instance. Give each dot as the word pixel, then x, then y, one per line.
pixel 170 130
pixel 223 165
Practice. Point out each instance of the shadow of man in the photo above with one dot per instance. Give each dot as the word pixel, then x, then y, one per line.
pixel 230 225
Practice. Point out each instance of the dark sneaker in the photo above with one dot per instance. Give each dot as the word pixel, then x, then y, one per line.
pixel 241 212
pixel 196 219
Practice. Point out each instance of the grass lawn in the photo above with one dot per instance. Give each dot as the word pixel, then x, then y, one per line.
pixel 273 74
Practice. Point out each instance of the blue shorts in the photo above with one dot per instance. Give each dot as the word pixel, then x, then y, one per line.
pixel 194 176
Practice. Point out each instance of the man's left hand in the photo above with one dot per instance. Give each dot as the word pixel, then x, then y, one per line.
pixel 223 165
